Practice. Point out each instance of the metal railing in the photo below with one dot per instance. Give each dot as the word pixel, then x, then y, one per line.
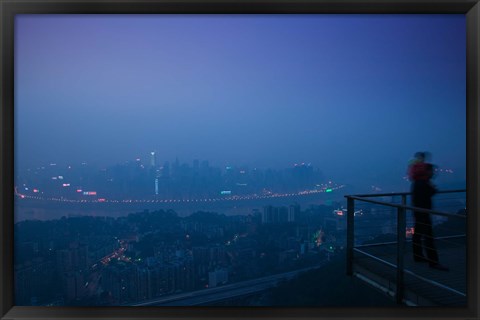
pixel 401 228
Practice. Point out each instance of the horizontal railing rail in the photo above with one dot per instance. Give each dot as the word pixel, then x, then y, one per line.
pixel 457 236
pixel 401 209
pixel 371 195
pixel 394 205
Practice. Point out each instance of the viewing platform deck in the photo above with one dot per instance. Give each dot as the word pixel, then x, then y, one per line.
pixel 390 267
pixel 434 288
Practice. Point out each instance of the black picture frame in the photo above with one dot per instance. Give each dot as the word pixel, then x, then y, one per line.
pixel 9 8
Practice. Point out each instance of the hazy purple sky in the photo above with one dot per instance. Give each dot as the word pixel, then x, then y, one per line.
pixel 355 95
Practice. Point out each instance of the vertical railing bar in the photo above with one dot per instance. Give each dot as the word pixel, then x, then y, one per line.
pixel 404 203
pixel 401 224
pixel 350 234
pixel 404 199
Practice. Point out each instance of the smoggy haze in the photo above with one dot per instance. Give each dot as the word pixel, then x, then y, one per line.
pixel 355 95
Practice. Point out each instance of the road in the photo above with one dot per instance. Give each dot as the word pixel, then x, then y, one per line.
pixel 224 292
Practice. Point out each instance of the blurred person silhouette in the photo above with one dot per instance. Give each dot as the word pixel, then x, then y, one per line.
pixel 417 168
pixel 420 173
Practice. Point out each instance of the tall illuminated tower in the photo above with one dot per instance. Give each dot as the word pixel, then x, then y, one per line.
pixel 153 159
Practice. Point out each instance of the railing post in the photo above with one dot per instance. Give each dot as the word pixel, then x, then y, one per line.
pixel 350 235
pixel 401 225
pixel 404 199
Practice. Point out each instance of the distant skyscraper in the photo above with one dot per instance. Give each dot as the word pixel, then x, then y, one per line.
pixel 166 169
pixel 196 166
pixel 267 216
pixel 293 212
pixel 153 159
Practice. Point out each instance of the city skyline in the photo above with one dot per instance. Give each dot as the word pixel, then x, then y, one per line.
pixel 354 95
pixel 445 177
pixel 159 157
pixel 120 189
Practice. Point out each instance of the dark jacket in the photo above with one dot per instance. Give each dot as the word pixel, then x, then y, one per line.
pixel 422 192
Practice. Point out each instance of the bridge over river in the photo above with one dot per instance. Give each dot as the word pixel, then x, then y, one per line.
pixel 32 207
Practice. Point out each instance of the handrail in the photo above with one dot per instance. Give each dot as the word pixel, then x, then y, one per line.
pixel 441 213
pixel 401 193
pixel 401 220
pixel 417 209
pixel 407 240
